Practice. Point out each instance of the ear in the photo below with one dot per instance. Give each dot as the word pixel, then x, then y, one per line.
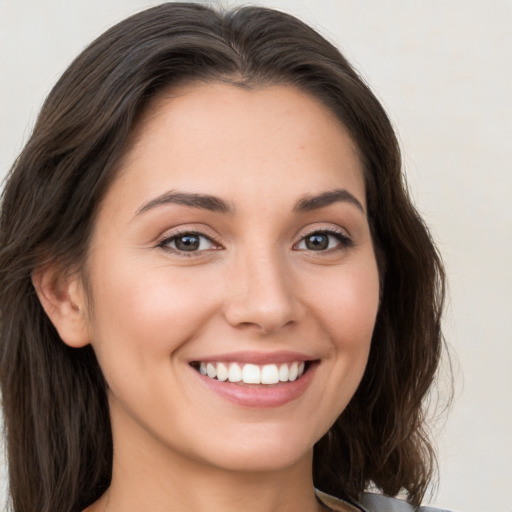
pixel 63 299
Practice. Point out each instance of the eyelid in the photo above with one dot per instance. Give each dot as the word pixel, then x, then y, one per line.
pixel 169 236
pixel 318 228
pixel 345 240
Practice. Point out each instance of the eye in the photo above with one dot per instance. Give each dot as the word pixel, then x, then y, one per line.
pixel 188 242
pixel 324 241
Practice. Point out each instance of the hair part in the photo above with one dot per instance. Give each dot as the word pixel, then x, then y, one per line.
pixel 54 397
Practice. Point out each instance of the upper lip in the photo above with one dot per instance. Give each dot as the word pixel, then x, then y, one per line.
pixel 252 357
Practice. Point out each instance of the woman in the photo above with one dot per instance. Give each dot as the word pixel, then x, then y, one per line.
pixel 215 292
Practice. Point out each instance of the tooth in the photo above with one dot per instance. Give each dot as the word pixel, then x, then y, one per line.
pixel 210 370
pixel 269 374
pixel 235 373
pixel 222 372
pixel 294 371
pixel 251 374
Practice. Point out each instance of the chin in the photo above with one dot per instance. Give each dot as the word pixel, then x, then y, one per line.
pixel 267 451
pixel 258 461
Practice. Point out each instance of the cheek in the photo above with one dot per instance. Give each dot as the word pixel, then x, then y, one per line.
pixel 145 312
pixel 344 308
pixel 348 305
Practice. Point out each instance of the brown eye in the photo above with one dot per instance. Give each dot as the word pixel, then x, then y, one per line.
pixel 188 242
pixel 324 241
pixel 317 242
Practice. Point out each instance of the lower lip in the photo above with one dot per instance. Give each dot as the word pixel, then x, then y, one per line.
pixel 263 395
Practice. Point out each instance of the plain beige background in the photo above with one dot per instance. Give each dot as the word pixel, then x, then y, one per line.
pixel 443 70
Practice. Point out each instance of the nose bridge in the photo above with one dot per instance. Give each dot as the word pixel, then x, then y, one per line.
pixel 262 290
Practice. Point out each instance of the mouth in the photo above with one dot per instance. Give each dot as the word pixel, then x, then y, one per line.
pixel 252 374
pixel 254 379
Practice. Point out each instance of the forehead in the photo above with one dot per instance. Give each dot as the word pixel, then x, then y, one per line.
pixel 229 139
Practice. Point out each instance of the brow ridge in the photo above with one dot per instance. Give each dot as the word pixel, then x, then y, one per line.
pixel 194 200
pixel 317 201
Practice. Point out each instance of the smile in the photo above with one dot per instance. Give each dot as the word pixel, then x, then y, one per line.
pixel 257 379
pixel 248 373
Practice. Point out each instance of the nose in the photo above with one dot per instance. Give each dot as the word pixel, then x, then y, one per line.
pixel 262 294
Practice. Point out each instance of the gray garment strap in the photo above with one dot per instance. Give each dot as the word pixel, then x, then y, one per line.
pixel 378 503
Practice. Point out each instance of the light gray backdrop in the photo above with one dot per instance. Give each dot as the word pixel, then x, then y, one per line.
pixel 443 69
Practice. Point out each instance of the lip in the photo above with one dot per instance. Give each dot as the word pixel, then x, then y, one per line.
pixel 260 358
pixel 263 395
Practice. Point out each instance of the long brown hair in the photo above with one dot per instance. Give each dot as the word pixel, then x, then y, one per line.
pixel 56 415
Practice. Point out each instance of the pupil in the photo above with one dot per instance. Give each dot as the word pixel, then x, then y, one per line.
pixel 187 243
pixel 317 242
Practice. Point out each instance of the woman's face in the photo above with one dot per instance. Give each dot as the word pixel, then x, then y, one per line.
pixel 234 242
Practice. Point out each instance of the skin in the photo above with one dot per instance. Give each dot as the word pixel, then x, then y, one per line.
pixel 254 286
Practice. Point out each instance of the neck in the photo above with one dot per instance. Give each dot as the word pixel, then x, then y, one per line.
pixel 147 477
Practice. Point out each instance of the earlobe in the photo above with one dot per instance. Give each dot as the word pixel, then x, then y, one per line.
pixel 62 297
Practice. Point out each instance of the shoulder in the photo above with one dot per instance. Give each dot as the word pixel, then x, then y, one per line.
pixel 370 502
pixel 378 503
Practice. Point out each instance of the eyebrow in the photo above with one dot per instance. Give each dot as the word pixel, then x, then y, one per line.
pixel 216 204
pixel 202 201
pixel 315 202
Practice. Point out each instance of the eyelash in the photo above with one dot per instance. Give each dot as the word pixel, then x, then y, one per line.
pixel 164 244
pixel 345 242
